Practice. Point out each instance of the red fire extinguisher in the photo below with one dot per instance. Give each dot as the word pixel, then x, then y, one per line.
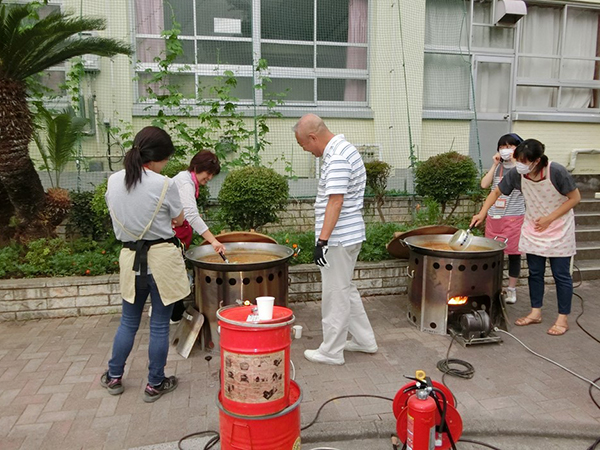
pixel 420 424
pixel 426 415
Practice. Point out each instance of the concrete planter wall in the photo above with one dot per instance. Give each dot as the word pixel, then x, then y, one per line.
pixel 39 298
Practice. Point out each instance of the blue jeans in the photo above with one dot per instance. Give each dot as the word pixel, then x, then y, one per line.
pixel 562 277
pixel 159 333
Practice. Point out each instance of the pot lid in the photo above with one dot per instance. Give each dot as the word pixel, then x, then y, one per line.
pixel 397 249
pixel 238 315
pixel 243 236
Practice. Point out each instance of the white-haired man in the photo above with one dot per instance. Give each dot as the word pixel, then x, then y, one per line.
pixel 339 233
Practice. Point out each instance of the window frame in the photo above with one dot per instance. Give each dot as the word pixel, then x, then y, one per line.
pixel 351 109
pixel 557 113
pixel 558 82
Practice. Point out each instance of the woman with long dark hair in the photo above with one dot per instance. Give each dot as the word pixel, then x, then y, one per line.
pixel 144 207
pixel 548 231
pixel 505 217
pixel 203 166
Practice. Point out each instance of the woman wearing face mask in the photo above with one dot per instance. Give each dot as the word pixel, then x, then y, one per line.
pixel 548 229
pixel 203 166
pixel 505 217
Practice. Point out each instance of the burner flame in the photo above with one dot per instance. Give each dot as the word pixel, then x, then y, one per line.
pixel 459 300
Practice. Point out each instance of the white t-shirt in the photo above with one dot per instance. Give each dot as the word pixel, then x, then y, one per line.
pixel 342 172
pixel 187 193
pixel 134 209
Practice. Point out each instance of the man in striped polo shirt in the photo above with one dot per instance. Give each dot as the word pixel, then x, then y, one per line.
pixel 340 231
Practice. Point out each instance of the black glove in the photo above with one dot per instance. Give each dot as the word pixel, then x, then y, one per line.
pixel 320 252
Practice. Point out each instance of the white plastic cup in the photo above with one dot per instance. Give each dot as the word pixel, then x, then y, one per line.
pixel 297 330
pixel 265 307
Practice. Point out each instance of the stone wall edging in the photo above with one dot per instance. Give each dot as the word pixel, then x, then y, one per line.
pixel 42 298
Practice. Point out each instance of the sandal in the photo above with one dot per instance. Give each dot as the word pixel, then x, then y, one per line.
pixel 558 330
pixel 524 321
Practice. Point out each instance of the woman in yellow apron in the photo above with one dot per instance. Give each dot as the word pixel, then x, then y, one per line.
pixel 548 230
pixel 505 217
pixel 144 206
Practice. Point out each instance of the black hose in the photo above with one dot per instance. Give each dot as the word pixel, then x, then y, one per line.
pixel 340 397
pixel 581 314
pixel 210 444
pixel 479 443
pixel 443 415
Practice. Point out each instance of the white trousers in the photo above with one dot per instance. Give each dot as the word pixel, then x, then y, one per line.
pixel 342 308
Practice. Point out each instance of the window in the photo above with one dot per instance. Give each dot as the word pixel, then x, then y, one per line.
pixel 559 60
pixel 316 50
pixel 555 49
pixel 447 63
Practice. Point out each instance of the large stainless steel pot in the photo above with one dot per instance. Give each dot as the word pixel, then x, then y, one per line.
pixel 220 284
pixel 439 275
pixel 479 246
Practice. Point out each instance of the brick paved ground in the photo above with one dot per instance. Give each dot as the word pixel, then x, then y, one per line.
pixel 50 396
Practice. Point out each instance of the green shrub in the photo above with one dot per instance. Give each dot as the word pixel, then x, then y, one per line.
pixel 56 257
pixel 378 235
pixel 9 260
pixel 99 206
pixel 378 173
pixel 173 167
pixel 373 249
pixel 83 219
pixel 251 197
pixel 305 242
pixel 445 177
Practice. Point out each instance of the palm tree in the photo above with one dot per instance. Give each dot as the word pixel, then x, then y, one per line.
pixel 27 47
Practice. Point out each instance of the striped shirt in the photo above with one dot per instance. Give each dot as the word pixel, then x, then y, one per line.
pixel 342 172
pixel 515 203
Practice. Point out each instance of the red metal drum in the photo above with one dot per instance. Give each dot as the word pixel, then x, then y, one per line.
pixel 279 431
pixel 255 361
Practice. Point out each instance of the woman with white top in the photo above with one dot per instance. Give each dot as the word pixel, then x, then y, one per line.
pixel 144 206
pixel 548 230
pixel 505 217
pixel 203 166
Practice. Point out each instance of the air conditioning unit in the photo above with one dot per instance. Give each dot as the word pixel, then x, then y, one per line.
pixel 91 63
pixel 509 12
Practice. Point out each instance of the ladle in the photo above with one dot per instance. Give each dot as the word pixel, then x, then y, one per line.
pixel 224 257
pixel 461 239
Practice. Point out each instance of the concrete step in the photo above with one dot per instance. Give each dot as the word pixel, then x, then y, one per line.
pixel 588 250
pixel 588 205
pixel 588 269
pixel 587 218
pixel 588 194
pixel 587 233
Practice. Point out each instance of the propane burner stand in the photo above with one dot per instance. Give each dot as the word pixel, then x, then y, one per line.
pixel 457 293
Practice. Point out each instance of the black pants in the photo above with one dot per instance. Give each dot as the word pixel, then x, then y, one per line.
pixel 514 265
pixel 178 310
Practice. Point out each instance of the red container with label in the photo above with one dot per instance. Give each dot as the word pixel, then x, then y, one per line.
pixel 255 360
pixel 280 431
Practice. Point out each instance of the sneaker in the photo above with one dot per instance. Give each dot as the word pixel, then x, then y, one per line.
pixel 174 322
pixel 352 346
pixel 153 393
pixel 511 296
pixel 317 357
pixel 112 385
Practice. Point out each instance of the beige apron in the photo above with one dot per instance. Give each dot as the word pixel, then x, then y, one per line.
pixel 541 199
pixel 165 261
